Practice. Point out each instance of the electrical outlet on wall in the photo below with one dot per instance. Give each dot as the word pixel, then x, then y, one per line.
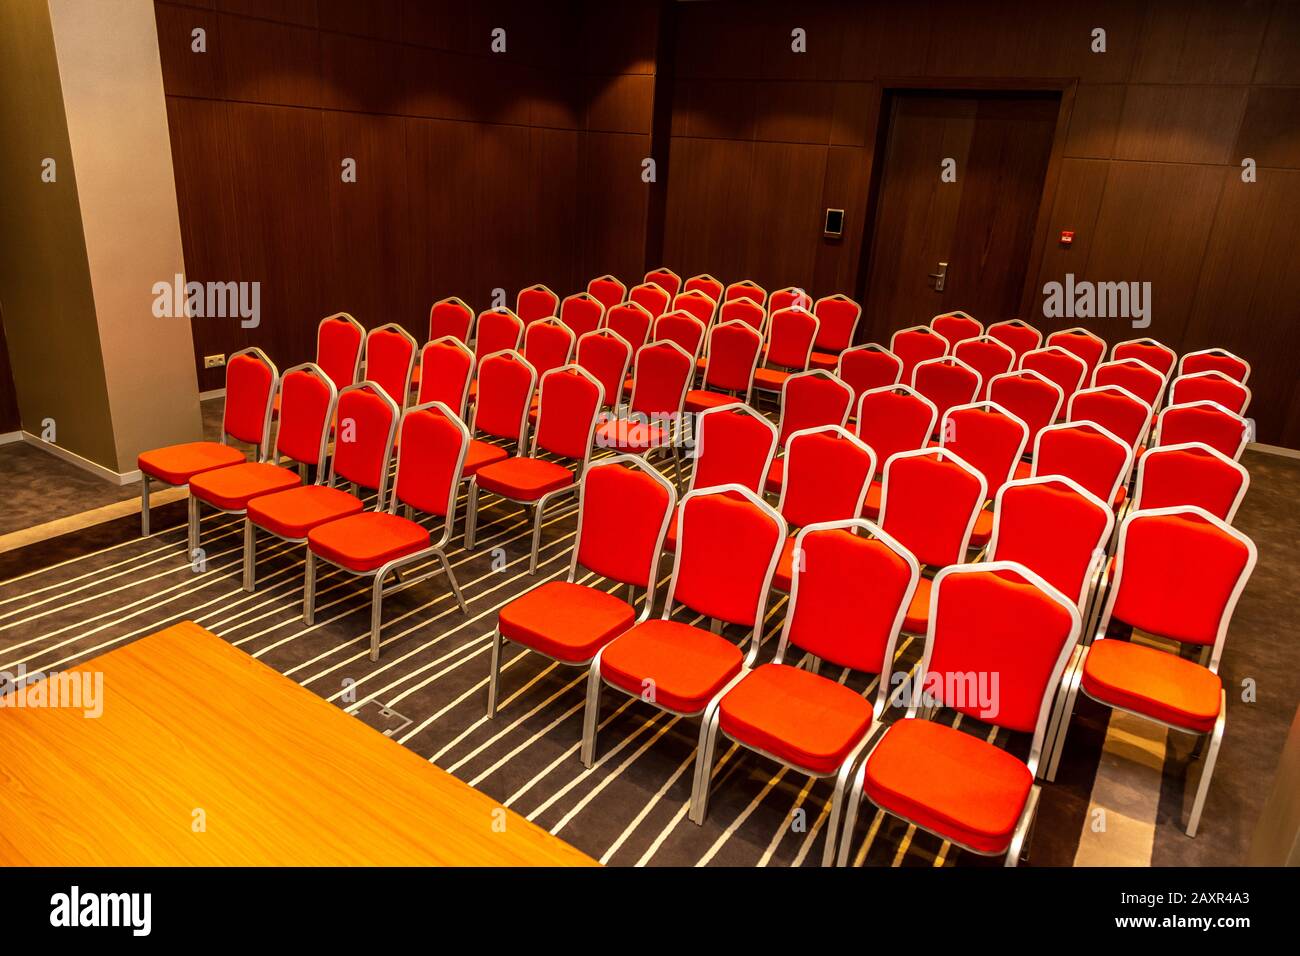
pixel 214 361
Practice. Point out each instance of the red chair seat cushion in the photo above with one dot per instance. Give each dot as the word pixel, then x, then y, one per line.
pixel 871 506
pixel 688 665
pixel 953 784
pixel 629 435
pixel 775 476
pixel 670 539
pixel 784 574
pixel 232 488
pixel 1154 683
pixel 569 622
pixel 177 464
pixel 366 541
pixel 917 618
pixel 293 513
pixel 770 379
pixel 983 529
pixel 796 715
pixel 1023 470
pixel 824 360
pixel 1120 494
pixel 482 453
pixel 698 399
pixel 524 479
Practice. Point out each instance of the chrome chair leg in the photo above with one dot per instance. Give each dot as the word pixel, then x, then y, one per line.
pixel 309 590
pixel 250 555
pixel 494 672
pixel 144 505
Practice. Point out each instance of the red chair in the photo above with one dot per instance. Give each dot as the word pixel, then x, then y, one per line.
pixel 930 503
pixel 957 327
pixel 1055 364
pixel 449 369
pixel 390 360
pixel 631 321
pixel 339 340
pixel 1206 422
pixel 832 618
pixel 947 382
pixel 376 544
pixel 1215 360
pixel 548 344
pixel 892 419
pixel 607 290
pixel 987 356
pixel 729 544
pixel 663 374
pixel 1156 354
pixel 307 408
pixel 1096 458
pixel 992 440
pixel 915 345
pixel 1178 575
pixel 450 316
pixel 666 279
pixel 1210 387
pixel 606 355
pixel 1020 337
pixel 652 297
pixel 696 303
pixel 744 310
pixel 507 383
pixel 734 445
pixel 745 289
pixel 828 473
pixel 1091 349
pixel 705 283
pixel 989 619
pixel 733 352
pixel 536 302
pixel 1134 375
pixel 1190 474
pixel 683 328
pixel 867 367
pixel 573 398
pixel 582 313
pixel 809 399
pixel 1033 398
pixel 363 451
pixel 788 298
pixel 1116 409
pixel 251 379
pixel 623 515
pixel 838 315
pixel 499 330
pixel 789 346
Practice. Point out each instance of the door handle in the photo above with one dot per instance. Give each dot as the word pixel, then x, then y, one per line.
pixel 940 277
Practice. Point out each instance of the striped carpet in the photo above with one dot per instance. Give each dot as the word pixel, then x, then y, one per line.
pixel 630 809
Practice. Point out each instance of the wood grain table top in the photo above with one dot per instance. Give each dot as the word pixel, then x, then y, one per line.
pixel 205 756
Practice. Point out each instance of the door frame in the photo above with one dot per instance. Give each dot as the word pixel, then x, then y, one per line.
pixel 878 138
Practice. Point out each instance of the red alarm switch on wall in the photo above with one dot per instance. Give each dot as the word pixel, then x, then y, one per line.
pixel 1067 237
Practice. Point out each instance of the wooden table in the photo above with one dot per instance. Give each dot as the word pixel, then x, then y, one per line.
pixel 192 725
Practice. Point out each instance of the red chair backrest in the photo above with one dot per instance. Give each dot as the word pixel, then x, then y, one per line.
pixel 1033 398
pixel 367 425
pixel 917 344
pixel 631 321
pixel 697 303
pixel 1179 573
pixel 1156 354
pixel 607 290
pixel 683 328
pixel 811 399
pixel 929 503
pixel 788 298
pixel 390 360
pixel 339 339
pixel 566 415
pixel 666 279
pixel 1205 422
pixel 548 344
pixel 499 330
pixel 827 472
pixel 430 458
pixel 743 310
pixel 734 446
pixel 988 438
pixel 1210 387
pixel 1134 375
pixel 450 316
pixel 704 283
pixel 790 337
pixel 745 289
pixel 1059 366
pixel 1097 459
pixel 1215 360
pixel 505 391
pixel 1088 347
pixel 987 356
pixel 1020 337
pixel 663 373
pixel 994 620
pixel 652 297
pixel 727 546
pixel 1114 408
pixel 582 313
pixel 250 389
pixel 536 302
pixel 1054 527
pixel 1190 474
pixel 307 399
pixel 446 369
pixel 733 356
pixel 606 355
pixel 894 419
pixel 869 366
pixel 624 514
pixel 947 382
pixel 838 315
pixel 957 327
